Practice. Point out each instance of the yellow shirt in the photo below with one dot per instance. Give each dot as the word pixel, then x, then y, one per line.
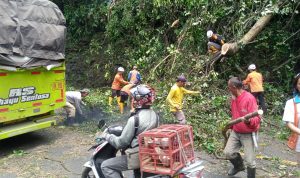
pixel 175 97
pixel 255 80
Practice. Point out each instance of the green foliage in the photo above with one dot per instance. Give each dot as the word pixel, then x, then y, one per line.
pixel 297 173
pixel 165 38
pixel 98 108
pixel 275 98
pixel 19 152
pixel 98 97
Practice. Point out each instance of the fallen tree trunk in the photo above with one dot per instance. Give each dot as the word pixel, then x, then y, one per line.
pixel 232 48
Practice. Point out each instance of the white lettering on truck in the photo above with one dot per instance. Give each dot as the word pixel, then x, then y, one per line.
pixel 21 91
pixel 27 94
pixel 35 97
pixel 8 101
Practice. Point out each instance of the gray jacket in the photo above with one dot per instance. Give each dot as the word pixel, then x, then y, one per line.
pixel 148 119
pixel 74 97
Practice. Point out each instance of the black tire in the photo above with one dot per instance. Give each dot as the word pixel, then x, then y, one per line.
pixel 86 173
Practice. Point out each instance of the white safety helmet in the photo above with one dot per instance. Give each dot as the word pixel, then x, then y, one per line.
pixel 209 33
pixel 121 69
pixel 252 67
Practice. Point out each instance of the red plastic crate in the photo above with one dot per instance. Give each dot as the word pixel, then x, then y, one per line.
pixel 166 149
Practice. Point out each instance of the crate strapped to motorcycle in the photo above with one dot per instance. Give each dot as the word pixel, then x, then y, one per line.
pixel 166 149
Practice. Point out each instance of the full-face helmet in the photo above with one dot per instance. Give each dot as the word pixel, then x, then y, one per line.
pixel 143 96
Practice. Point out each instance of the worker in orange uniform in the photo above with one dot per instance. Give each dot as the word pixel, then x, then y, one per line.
pixel 175 98
pixel 125 93
pixel 117 86
pixel 255 81
pixel 134 75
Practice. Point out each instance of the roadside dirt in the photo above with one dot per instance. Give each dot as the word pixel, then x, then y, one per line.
pixel 60 153
pixel 54 152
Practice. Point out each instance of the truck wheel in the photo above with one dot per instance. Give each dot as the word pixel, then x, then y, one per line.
pixel 87 173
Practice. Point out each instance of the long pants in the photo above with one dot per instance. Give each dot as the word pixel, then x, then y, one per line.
pixel 179 115
pixel 261 100
pixel 234 144
pixel 70 109
pixel 113 167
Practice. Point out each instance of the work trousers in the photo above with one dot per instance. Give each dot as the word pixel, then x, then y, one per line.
pixel 179 115
pixel 70 109
pixel 261 100
pixel 234 144
pixel 113 167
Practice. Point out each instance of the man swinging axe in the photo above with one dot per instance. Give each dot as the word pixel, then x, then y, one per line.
pixel 242 133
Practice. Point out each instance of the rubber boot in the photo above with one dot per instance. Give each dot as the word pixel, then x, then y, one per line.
pixel 251 172
pixel 238 165
pixel 119 100
pixel 121 107
pixel 76 121
pixel 110 99
pixel 70 121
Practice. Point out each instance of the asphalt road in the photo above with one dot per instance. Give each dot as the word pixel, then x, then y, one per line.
pixel 61 152
pixel 54 152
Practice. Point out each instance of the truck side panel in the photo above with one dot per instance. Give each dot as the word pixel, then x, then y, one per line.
pixel 28 93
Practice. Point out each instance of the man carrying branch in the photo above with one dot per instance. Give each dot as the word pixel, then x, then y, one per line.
pixel 243 133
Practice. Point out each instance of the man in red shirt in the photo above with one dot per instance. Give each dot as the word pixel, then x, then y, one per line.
pixel 243 133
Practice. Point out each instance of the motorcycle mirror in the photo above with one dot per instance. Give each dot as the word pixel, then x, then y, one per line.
pixel 101 123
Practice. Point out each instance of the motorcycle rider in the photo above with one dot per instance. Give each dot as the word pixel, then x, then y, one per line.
pixel 145 117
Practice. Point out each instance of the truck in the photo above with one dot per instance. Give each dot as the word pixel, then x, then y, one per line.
pixel 32 65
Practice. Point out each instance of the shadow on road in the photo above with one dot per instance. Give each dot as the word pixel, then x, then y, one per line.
pixel 26 142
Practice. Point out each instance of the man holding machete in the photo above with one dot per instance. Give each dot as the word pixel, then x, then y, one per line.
pixel 242 103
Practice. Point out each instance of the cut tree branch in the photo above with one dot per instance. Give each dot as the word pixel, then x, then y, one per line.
pixel 232 48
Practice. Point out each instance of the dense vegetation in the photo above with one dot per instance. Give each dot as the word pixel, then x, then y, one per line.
pixel 166 38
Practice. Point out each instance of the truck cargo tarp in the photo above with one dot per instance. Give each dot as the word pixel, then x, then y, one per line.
pixel 32 28
pixel 13 62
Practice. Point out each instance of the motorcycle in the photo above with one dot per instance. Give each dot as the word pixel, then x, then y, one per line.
pixel 103 151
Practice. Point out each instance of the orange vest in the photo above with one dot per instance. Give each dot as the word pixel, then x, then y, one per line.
pixel 118 81
pixel 133 76
pixel 294 136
